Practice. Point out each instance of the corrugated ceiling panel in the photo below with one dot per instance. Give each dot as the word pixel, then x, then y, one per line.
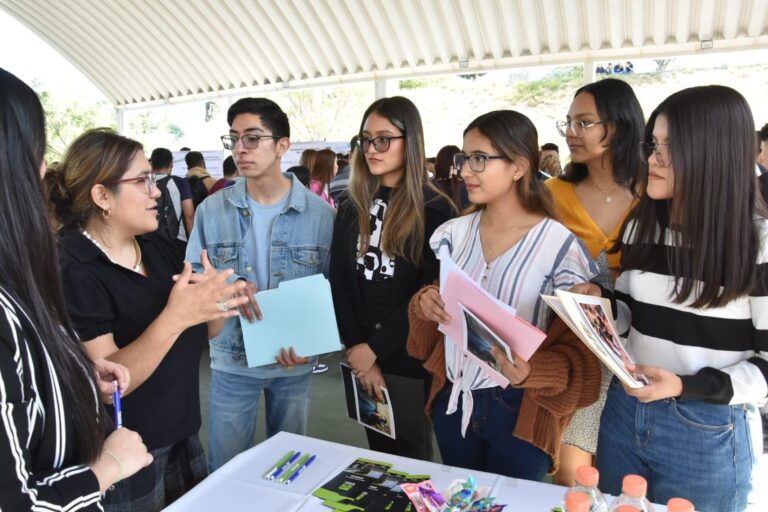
pixel 139 51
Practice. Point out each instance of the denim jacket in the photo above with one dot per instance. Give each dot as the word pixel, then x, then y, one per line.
pixel 301 242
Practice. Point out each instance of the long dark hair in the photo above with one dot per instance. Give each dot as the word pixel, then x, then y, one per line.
pixel 514 136
pixel 617 106
pixel 712 213
pixel 29 267
pixel 450 185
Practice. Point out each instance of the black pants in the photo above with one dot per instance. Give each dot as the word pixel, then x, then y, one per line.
pixel 413 429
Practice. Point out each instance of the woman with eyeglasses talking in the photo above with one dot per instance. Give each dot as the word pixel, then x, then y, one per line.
pixel 692 299
pixel 380 257
pixel 120 294
pixel 592 198
pixel 511 245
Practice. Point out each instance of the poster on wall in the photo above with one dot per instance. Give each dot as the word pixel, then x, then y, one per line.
pixel 293 155
pixel 214 162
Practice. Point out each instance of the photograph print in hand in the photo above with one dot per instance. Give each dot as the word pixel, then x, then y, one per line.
pixel 480 339
pixel 373 414
pixel 375 264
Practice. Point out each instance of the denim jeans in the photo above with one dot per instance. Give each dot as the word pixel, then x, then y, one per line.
pixel 233 407
pixel 691 449
pixel 489 444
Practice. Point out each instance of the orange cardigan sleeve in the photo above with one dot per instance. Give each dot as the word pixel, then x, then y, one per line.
pixel 565 375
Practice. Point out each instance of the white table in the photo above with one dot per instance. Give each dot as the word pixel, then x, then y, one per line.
pixel 239 486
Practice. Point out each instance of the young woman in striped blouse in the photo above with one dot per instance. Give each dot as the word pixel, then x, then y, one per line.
pixel 692 296
pixel 511 245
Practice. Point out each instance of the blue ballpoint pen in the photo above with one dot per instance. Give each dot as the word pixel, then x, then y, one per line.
pixel 285 466
pixel 118 406
pixel 300 470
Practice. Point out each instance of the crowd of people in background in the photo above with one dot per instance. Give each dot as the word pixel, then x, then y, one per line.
pixel 117 274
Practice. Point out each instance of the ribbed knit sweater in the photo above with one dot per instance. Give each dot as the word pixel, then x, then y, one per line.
pixel 565 377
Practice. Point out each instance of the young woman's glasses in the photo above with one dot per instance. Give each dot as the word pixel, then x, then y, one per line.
pixel 476 162
pixel 380 144
pixel 663 158
pixel 577 127
pixel 248 141
pixel 149 180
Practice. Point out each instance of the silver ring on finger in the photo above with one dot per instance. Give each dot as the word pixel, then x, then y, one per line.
pixel 222 306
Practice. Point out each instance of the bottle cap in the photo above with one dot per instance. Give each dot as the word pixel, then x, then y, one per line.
pixel 627 508
pixel 679 505
pixel 577 502
pixel 635 486
pixel 587 476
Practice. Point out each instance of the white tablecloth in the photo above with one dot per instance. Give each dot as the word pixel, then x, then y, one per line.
pixel 239 486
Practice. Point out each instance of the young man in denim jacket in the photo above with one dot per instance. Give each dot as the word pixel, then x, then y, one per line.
pixel 268 228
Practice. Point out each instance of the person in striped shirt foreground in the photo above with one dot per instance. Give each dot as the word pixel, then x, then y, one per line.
pixel 53 451
pixel 692 297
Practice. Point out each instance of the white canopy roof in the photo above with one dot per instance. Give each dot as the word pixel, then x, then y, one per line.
pixel 139 51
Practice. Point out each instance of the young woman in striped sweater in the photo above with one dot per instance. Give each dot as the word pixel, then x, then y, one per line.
pixel 692 298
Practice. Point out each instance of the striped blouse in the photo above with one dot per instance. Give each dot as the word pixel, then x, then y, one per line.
pixel 37 452
pixel 720 353
pixel 548 257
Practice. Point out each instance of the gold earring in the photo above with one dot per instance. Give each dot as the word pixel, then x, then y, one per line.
pixel 105 214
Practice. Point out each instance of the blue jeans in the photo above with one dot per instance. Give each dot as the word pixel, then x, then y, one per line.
pixel 691 449
pixel 489 444
pixel 233 406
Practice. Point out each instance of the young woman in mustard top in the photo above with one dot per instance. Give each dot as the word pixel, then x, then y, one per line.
pixel 593 197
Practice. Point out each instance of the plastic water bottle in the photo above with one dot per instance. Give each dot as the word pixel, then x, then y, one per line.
pixel 587 478
pixel 633 491
pixel 577 502
pixel 679 505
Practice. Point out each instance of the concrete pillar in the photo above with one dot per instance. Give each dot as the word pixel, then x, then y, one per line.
pixel 589 71
pixel 380 88
pixel 120 119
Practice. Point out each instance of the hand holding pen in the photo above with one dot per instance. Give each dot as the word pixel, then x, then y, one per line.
pixel 107 372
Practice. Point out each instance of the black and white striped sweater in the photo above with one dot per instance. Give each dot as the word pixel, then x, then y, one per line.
pixel 37 467
pixel 720 353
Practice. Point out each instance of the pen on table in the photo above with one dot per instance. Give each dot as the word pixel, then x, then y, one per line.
pixel 118 406
pixel 282 468
pixel 299 471
pixel 289 473
pixel 279 464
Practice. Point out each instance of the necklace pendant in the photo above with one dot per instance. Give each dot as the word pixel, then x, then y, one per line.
pixel 608 199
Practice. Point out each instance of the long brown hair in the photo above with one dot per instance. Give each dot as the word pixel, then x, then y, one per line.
pixel 322 166
pixel 97 156
pixel 514 136
pixel 403 231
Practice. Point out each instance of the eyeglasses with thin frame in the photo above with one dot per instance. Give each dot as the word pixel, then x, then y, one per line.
pixel 477 161
pixel 577 127
pixel 380 144
pixel 663 158
pixel 249 141
pixel 149 180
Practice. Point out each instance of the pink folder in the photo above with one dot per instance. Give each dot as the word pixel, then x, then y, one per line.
pixel 523 338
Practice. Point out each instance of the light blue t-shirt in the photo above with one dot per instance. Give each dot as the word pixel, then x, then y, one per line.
pixel 258 241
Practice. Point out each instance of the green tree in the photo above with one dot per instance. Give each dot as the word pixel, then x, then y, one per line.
pixel 64 122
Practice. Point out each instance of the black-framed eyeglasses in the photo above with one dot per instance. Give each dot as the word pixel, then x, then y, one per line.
pixel 476 161
pixel 249 141
pixel 577 127
pixel 149 180
pixel 380 143
pixel 663 158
